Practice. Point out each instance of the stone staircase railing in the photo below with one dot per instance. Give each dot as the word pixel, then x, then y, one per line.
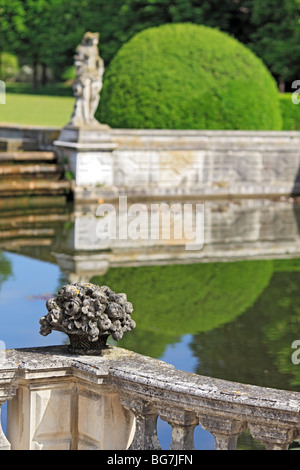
pixel 57 400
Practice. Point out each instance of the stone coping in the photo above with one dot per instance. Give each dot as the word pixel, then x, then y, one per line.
pixel 150 378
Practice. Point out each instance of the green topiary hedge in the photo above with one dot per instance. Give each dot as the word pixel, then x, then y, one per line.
pixel 187 76
pixel 290 112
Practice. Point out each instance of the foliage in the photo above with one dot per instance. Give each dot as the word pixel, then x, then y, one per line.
pixel 231 16
pixel 185 76
pixel 51 89
pixel 276 36
pixel 47 31
pixel 69 73
pixel 290 113
pixel 9 66
pixel 287 265
pixel 136 15
pixel 41 31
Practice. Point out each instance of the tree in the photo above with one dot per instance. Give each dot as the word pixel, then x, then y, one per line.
pixel 119 20
pixel 46 32
pixel 276 38
pixel 270 28
pixel 24 26
pixel 41 32
pixel 232 16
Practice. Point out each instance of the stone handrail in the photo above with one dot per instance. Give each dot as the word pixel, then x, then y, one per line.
pixel 59 400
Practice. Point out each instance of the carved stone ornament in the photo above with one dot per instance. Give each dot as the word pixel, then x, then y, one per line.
pixel 88 314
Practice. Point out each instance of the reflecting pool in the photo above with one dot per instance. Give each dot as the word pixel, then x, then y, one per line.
pixel 230 310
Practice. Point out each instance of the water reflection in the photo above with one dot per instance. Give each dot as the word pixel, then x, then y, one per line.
pixel 195 292
pixel 256 348
pixel 230 310
pixel 233 230
pixel 22 301
pixel 70 237
pixel 5 268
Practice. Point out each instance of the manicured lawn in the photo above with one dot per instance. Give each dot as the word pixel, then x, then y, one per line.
pixel 36 109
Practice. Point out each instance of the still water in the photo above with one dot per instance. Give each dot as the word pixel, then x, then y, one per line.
pixel 231 311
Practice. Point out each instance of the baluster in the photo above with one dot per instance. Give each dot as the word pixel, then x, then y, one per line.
pixel 183 425
pixel 273 437
pixel 145 437
pixel 4 443
pixel 225 430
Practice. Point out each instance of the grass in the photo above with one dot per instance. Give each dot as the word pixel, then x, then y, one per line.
pixel 36 109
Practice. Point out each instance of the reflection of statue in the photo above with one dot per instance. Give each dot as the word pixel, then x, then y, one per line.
pixel 88 83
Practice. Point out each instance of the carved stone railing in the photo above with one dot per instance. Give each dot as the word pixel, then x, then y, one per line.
pixel 58 400
pixel 8 387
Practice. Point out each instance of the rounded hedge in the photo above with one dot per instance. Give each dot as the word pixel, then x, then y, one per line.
pixel 188 76
pixel 290 113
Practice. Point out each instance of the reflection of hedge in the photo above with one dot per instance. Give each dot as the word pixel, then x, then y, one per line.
pixel 281 304
pixel 256 347
pixel 171 301
pixel 290 112
pixel 187 76
pixel 5 268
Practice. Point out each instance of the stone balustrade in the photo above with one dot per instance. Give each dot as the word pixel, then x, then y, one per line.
pixel 57 400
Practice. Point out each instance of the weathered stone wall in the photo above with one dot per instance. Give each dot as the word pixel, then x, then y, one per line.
pixel 38 137
pixel 172 162
pixel 232 230
pixel 194 163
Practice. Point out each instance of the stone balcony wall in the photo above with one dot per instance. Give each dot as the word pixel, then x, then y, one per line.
pixel 61 401
pixel 162 163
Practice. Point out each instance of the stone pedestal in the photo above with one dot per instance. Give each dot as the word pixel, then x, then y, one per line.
pixel 86 152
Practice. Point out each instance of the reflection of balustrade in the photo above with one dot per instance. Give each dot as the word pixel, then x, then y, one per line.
pixel 61 401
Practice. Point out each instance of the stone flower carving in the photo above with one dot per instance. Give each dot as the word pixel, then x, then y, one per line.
pixel 88 314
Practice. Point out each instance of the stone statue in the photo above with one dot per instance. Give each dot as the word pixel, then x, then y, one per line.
pixel 88 83
pixel 88 314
